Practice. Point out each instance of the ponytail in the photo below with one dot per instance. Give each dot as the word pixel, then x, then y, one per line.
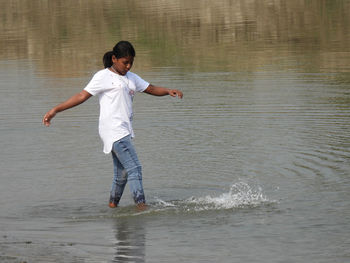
pixel 107 59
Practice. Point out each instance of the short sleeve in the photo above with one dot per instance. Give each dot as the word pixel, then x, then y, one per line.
pixel 140 84
pixel 95 85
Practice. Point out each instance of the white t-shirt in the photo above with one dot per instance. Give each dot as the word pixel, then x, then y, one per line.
pixel 115 93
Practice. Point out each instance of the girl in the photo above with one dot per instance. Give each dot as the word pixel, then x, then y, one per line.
pixel 116 86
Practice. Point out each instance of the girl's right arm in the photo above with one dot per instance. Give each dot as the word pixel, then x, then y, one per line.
pixel 70 103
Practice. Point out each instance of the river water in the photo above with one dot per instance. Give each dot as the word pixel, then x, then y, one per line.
pixel 252 165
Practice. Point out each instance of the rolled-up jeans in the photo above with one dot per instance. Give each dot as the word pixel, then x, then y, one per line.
pixel 127 168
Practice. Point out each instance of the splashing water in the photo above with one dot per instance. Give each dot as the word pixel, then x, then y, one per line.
pixel 240 195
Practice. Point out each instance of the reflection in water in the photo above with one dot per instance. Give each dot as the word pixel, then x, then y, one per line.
pixel 68 38
pixel 130 236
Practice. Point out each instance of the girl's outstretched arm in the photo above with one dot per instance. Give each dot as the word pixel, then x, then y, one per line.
pixel 70 103
pixel 160 91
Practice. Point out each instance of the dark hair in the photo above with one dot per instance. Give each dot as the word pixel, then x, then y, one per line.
pixel 121 50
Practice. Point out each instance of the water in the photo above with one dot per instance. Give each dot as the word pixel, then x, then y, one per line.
pixel 251 166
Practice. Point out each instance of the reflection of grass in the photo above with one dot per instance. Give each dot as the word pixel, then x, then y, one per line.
pixel 71 38
pixel 162 52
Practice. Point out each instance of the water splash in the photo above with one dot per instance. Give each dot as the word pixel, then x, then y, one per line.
pixel 240 195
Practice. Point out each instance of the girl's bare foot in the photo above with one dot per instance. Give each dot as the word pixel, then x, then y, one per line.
pixel 112 205
pixel 141 206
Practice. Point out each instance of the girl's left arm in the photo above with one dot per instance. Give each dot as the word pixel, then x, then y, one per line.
pixel 160 91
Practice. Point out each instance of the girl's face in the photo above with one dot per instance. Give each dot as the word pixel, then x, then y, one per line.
pixel 122 65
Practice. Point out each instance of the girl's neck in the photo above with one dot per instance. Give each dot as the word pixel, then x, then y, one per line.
pixel 114 70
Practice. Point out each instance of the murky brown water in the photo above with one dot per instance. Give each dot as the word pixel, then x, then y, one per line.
pixel 251 166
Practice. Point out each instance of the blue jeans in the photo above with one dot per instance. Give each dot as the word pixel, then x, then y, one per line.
pixel 127 168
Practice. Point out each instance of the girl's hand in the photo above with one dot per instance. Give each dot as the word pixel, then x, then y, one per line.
pixel 48 116
pixel 175 92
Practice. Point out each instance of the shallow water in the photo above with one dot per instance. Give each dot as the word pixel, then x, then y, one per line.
pixel 251 166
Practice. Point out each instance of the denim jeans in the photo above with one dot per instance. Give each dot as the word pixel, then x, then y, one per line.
pixel 127 168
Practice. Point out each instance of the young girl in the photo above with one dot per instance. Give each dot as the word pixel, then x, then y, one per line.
pixel 116 86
